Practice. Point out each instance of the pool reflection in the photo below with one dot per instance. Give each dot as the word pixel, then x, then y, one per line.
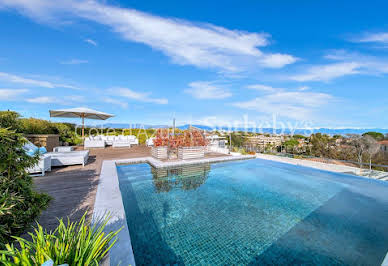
pixel 188 177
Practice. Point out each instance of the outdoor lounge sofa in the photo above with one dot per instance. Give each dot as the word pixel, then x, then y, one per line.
pixel 101 141
pixel 94 142
pixel 122 141
pixel 69 158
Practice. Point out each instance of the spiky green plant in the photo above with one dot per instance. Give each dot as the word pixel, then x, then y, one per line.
pixel 74 243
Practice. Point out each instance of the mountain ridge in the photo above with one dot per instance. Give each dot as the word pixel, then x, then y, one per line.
pixel 303 131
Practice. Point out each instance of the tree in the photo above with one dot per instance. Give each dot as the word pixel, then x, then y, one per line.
pixel 371 148
pixel 376 135
pixel 237 139
pixel 320 144
pixel 291 144
pixel 365 145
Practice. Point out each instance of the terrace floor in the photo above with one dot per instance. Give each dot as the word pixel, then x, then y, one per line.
pixel 73 188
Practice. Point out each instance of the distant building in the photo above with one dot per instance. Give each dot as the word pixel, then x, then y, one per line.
pixel 262 141
pixel 383 145
pixel 216 141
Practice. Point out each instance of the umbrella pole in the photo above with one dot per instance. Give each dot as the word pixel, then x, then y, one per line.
pixel 83 127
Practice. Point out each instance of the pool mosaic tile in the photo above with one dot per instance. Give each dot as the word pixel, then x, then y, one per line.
pixel 239 212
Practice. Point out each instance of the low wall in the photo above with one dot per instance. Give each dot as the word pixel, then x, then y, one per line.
pixel 313 164
pixel 185 153
pixel 48 141
pixel 327 166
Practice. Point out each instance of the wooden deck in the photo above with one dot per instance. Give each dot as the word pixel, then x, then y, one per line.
pixel 74 188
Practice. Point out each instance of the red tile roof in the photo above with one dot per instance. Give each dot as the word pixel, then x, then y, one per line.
pixel 383 142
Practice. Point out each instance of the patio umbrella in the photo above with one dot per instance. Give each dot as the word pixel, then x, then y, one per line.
pixel 80 112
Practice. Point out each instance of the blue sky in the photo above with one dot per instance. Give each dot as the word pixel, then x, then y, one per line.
pixel 309 63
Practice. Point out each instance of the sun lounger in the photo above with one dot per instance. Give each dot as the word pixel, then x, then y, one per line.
pixel 42 167
pixel 44 163
pixel 63 149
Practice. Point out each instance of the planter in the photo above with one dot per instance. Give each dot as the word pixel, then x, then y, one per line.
pixel 185 153
pixel 159 152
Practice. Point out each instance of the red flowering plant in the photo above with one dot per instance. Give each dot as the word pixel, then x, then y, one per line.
pixel 189 138
pixel 161 138
pixel 192 138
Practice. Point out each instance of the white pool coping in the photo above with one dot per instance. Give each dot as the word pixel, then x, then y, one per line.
pixel 109 200
pixel 385 261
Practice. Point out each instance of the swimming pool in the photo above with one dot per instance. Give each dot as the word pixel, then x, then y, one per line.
pixel 253 212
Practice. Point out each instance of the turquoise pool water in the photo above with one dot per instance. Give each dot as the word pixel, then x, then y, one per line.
pixel 253 212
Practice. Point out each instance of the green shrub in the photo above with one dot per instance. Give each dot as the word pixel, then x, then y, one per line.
pixel 21 204
pixel 37 126
pixel 74 244
pixel 242 151
pixel 67 133
pixel 9 119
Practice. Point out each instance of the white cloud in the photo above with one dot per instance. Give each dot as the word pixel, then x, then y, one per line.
pixel 139 96
pixel 90 41
pixel 122 104
pixel 304 88
pixel 186 43
pixel 42 99
pixel 328 72
pixel 206 90
pixel 346 63
pixel 371 65
pixel 66 100
pixel 11 94
pixel 278 60
pixel 74 62
pixel 261 87
pixel 380 37
pixel 18 79
pixel 266 88
pixel 7 77
pixel 74 98
pixel 294 104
